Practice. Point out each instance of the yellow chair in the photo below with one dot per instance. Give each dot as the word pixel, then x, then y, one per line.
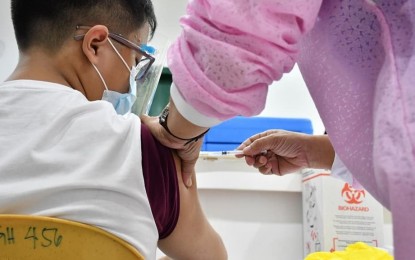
pixel 35 237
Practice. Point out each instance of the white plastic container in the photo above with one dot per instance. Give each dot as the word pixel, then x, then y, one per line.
pixel 336 215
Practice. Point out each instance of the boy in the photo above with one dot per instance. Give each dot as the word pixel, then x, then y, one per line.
pixel 69 147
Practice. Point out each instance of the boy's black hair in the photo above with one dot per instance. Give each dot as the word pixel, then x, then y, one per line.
pixel 48 23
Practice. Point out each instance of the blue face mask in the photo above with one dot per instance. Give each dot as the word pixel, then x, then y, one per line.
pixel 122 102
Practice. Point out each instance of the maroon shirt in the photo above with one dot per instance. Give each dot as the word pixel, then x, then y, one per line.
pixel 160 177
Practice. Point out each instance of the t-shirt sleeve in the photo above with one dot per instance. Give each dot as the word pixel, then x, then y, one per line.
pixel 160 177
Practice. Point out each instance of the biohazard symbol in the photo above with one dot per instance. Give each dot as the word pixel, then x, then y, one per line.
pixel 351 195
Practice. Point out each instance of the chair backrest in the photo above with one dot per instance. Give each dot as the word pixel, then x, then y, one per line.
pixel 37 237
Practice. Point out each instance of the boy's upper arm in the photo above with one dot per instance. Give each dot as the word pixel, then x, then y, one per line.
pixel 159 172
pixel 183 228
pixel 193 236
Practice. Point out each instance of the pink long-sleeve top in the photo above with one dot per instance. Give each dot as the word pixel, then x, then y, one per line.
pixel 357 59
pixel 230 51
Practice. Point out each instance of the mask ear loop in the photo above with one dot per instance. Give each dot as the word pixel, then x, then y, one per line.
pixel 119 55
pixel 132 71
pixel 100 76
pixel 99 73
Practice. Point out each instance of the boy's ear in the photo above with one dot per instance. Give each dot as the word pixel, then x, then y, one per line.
pixel 93 40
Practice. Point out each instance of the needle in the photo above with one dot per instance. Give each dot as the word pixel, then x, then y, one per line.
pixel 224 153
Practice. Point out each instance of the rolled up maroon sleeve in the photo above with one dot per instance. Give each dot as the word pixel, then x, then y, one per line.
pixel 161 182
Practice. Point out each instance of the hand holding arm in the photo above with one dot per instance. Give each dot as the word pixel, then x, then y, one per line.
pixel 179 127
pixel 287 151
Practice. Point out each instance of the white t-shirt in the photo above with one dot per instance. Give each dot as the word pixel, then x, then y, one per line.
pixel 52 161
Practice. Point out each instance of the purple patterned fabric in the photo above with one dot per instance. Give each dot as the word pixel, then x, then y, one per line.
pixel 358 63
pixel 357 58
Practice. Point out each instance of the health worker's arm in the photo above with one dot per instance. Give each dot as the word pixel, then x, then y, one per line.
pixel 222 63
pixel 230 51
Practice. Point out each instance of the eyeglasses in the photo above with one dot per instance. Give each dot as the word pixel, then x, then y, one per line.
pixel 146 61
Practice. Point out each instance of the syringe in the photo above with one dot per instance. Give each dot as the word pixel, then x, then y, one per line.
pixel 225 153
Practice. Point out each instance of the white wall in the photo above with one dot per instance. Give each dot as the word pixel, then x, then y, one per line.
pixel 8 47
pixel 287 98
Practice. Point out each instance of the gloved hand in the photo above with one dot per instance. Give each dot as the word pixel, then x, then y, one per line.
pixel 286 152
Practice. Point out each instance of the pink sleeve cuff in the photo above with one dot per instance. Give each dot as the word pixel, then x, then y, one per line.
pixel 188 112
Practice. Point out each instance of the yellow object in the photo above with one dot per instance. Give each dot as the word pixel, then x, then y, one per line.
pixel 356 251
pixel 46 238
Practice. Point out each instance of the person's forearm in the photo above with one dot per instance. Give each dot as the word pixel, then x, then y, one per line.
pixel 320 152
pixel 180 126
